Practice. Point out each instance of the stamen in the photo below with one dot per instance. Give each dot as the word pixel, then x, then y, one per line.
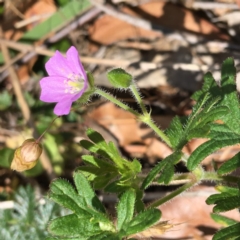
pixel 73 84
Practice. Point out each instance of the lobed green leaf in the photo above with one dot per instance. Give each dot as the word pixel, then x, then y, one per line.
pixel 125 209
pixel 230 165
pixel 225 221
pixel 207 148
pixel 143 221
pixel 73 226
pixel 231 232
pixel 84 190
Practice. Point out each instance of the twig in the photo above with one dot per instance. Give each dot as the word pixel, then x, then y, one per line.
pixel 214 5
pixel 106 62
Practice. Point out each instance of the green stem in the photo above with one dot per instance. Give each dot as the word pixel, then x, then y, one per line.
pixel 144 118
pixel 39 139
pixel 213 176
pixel 171 195
pixel 158 131
pixel 117 102
pixel 138 98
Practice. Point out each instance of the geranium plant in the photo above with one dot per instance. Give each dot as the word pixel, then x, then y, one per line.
pixel 215 116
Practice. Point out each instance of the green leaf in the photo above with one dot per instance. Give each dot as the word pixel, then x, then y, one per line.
pixel 200 132
pixel 231 232
pixel 64 194
pixel 225 221
pixel 209 86
pixel 97 162
pixel 230 165
pixel 166 174
pixel 175 131
pixel 73 226
pixel 57 20
pixel 84 189
pixel 227 204
pixel 230 96
pixel 89 146
pixel 153 173
pixel 204 150
pixel 5 100
pixel 97 138
pixel 125 209
pixel 166 163
pixel 107 236
pixel 229 190
pixel 216 113
pixel 6 157
pixel 115 187
pixel 214 198
pixel 143 221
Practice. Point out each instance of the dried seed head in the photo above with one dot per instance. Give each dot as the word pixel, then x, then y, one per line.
pixel 26 156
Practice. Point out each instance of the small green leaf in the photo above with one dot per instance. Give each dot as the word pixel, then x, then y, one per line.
pixel 209 86
pixel 125 209
pixel 229 190
pixel 231 232
pixel 96 137
pixel 107 236
pixel 204 150
pixel 84 189
pixel 89 159
pixel 199 132
pixel 214 198
pixel 230 165
pixel 143 221
pixel 166 163
pixel 228 87
pixel 153 173
pixel 73 226
pixel 166 174
pixel 89 146
pixel 64 194
pixel 227 204
pixel 225 221
pixel 175 131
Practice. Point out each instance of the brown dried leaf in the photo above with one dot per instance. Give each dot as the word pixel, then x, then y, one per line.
pixel 107 30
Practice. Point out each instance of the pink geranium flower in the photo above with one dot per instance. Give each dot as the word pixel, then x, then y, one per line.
pixel 66 83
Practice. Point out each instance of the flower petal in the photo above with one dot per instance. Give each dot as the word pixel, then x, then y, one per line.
pixel 53 89
pixel 58 65
pixel 63 107
pixel 76 65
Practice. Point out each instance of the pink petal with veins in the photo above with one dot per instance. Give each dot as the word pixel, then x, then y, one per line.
pixel 63 108
pixel 73 57
pixel 58 66
pixel 53 89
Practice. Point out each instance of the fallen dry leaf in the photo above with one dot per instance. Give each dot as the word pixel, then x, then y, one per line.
pixel 122 124
pixel 107 30
pixel 192 214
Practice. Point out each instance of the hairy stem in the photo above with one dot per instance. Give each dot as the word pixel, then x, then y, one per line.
pixel 171 195
pixel 138 98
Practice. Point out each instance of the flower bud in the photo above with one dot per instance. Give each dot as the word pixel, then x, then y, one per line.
pixel 119 78
pixel 26 156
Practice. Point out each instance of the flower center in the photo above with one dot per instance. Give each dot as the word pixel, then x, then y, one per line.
pixel 73 84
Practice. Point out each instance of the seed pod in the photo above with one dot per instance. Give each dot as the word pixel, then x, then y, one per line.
pixel 26 156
